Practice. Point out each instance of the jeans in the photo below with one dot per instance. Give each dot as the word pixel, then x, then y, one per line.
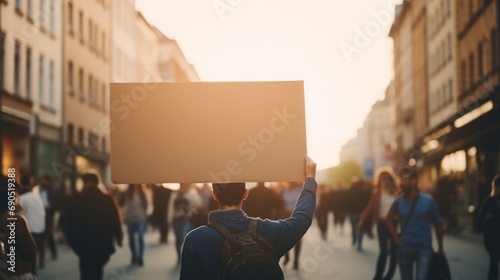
pixel 411 254
pixel 181 229
pixel 140 229
pixel 357 235
pixel 387 248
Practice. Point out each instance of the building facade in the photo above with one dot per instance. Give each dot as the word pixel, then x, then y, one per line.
pixel 401 32
pixel 373 145
pixel 123 41
pixel 463 148
pixel 31 63
pixel 173 66
pixel 87 44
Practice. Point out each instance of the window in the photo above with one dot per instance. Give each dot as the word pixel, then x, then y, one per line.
pixel 103 45
pixel 471 70
pixel 90 89
pixel 463 76
pixel 480 59
pixel 81 136
pixel 28 73
pixel 444 49
pixel 70 18
pixel 41 76
pixel 80 26
pixel 29 9
pixel 71 83
pixel 91 37
pixel 97 95
pixel 80 84
pixel 93 141
pixel 494 49
pixel 17 68
pixel 52 19
pixel 18 6
pixel 103 144
pixel 450 47
pixel 41 17
pixel 51 86
pixel 450 91
pixel 70 134
pixel 444 92
pixel 448 7
pixel 103 96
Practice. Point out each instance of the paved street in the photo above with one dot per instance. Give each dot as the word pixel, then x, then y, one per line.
pixel 334 259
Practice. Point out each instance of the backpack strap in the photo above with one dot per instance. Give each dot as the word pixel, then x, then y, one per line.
pixel 252 225
pixel 220 227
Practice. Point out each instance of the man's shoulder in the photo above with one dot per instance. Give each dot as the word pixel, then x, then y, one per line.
pixel 426 196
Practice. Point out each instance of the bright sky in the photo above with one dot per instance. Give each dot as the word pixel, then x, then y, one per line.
pixel 313 40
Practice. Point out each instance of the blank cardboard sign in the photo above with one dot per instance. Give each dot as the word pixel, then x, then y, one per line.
pixel 207 132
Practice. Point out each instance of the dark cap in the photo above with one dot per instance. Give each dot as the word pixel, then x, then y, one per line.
pixel 220 186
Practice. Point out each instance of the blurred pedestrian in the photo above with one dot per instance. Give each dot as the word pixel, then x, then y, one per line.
pixel 92 224
pixel 384 194
pixel 416 212
pixel 199 217
pixel 135 206
pixel 203 245
pixel 489 222
pixel 34 210
pixel 261 202
pixel 323 203
pixel 49 197
pixel 289 197
pixel 356 198
pixel 24 248
pixel 161 197
pixel 338 206
pixel 185 203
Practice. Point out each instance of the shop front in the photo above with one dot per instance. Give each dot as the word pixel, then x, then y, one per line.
pixel 462 155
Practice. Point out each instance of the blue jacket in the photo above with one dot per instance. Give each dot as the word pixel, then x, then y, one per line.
pixel 201 251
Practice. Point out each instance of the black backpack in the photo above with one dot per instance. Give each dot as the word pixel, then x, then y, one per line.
pixel 246 255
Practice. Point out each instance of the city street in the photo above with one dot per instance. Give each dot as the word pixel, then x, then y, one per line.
pixel 334 259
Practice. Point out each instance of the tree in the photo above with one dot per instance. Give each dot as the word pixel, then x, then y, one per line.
pixel 344 173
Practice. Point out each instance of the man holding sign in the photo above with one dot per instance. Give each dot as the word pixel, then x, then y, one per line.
pixel 245 248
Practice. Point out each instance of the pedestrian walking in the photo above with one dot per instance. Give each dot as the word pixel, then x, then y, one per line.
pixel 161 197
pixel 34 210
pixel 92 225
pixel 416 212
pixel 323 203
pixel 135 207
pixel 203 248
pixel 489 222
pixel 24 248
pixel 384 194
pixel 185 203
pixel 49 197
pixel 356 198
pixel 261 203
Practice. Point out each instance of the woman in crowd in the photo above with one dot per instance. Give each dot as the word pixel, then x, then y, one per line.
pixel 384 194
pixel 489 222
pixel 135 207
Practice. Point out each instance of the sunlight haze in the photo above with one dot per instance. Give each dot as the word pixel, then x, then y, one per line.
pixel 237 40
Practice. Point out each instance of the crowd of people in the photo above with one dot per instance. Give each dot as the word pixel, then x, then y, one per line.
pixel 96 219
